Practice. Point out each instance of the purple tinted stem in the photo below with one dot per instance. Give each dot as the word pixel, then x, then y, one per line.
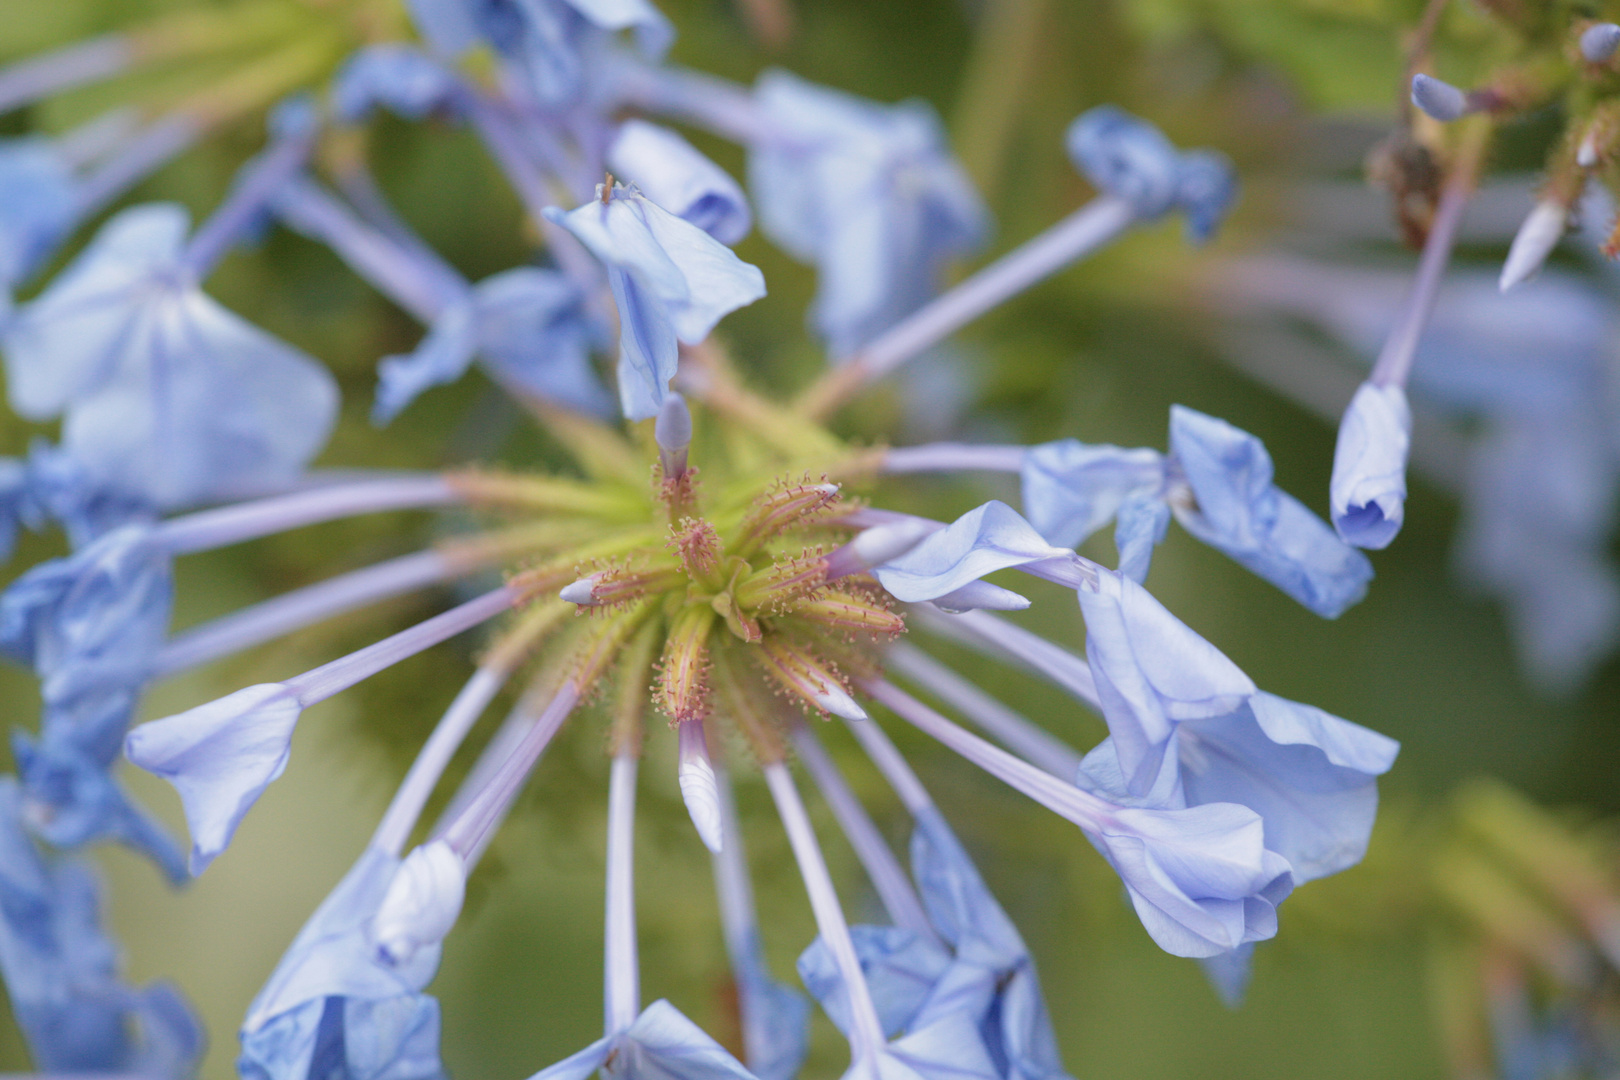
pixel 1066 800
pixel 208 529
pixel 1077 235
pixel 41 76
pixel 1394 361
pixel 621 976
pixel 304 607
pixel 342 673
pixel 435 754
pixel 137 159
pixel 1007 727
pixel 420 284
pixel 893 888
pixel 469 831
pixel 255 186
pixel 866 1034
pixel 952 457
pixel 1013 644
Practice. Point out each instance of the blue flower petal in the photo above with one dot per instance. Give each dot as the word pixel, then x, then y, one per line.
pixel 1071 489
pixel 671 281
pixel 989 538
pixel 220 757
pixel 672 173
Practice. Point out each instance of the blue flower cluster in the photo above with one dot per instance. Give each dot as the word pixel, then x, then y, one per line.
pixel 185 428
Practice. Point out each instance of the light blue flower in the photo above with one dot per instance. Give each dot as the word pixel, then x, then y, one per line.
pixel 39 205
pixel 992 976
pixel 1131 160
pixel 404 80
pixel 1368 487
pixel 92 622
pixel 662 1044
pixel 60 488
pixel 61 970
pixel 1237 509
pixel 555 43
pixel 72 799
pixel 164 394
pixel 1217 481
pixel 1127 158
pixel 672 173
pixel 671 282
pixel 333 1008
pixel 868 193
pixel 1188 729
pixel 220 756
pixel 1071 489
pixel 979 975
pixel 775 1018
pixel 530 328
pixel 901 968
pixel 986 539
pixel 14 500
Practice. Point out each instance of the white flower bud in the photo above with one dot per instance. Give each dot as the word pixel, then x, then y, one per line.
pixel 698 785
pixel 1599 41
pixel 1536 238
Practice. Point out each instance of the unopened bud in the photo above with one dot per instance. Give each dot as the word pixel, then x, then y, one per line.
pixel 698 786
pixel 1536 238
pixel 673 433
pixel 422 903
pixel 580 592
pixel 1599 41
pixel 779 510
pixel 810 678
pixel 1439 99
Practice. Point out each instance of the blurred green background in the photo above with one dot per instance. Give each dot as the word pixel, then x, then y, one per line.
pixel 1099 353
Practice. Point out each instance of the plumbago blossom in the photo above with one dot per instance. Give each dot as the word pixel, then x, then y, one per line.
pixel 739 604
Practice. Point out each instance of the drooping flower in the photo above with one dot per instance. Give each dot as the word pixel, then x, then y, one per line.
pixel 868 193
pixel 671 282
pixel 61 970
pixel 1217 482
pixel 163 393
pixel 672 173
pixel 555 43
pixel 1187 728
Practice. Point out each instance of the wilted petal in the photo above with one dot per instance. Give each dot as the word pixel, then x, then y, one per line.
pixel 1072 489
pixel 989 538
pixel 220 757
pixel 1240 511
pixel 443 357
pixel 72 800
pixel 1368 488
pixel 1127 158
pixel 91 622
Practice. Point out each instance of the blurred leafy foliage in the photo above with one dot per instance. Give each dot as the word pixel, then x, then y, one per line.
pixel 1099 353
